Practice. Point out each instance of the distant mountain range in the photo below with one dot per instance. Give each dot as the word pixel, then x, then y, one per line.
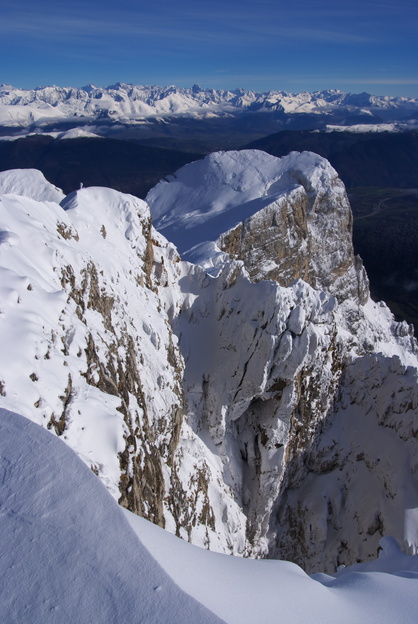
pixel 131 103
pixel 144 112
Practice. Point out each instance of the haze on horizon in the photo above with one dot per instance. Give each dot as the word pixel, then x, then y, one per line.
pixel 351 45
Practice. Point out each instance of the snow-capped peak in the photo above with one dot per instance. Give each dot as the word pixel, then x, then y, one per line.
pixel 206 198
pixel 129 103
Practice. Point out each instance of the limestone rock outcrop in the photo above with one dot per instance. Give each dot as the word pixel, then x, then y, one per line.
pixel 245 402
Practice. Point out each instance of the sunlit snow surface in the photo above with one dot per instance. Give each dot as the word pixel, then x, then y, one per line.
pixel 29 183
pixel 206 198
pixel 243 591
pixel 39 243
pixel 69 555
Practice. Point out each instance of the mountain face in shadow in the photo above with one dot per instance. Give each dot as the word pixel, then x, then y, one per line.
pixel 361 159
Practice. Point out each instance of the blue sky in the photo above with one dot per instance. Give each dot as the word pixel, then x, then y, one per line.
pixel 368 45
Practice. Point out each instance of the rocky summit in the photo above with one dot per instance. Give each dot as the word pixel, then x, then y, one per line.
pixel 250 398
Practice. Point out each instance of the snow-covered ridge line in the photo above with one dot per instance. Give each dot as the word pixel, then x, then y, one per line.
pixel 128 103
pixel 206 401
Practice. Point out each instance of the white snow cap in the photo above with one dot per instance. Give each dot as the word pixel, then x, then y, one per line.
pixel 29 183
pixel 208 197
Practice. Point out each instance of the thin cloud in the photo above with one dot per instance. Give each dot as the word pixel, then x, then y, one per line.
pixel 286 82
pixel 381 81
pixel 327 36
pixel 194 27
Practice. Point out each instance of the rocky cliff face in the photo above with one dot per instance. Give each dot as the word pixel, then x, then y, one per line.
pixel 247 404
pixel 94 371
pixel 88 293
pixel 304 233
pixel 278 364
pixel 286 219
pixel 355 479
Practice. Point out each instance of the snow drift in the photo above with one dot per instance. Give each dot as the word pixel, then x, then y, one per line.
pixel 69 555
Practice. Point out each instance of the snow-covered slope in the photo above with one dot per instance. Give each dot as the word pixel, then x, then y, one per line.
pixel 87 292
pixel 68 554
pixel 247 591
pixel 206 400
pixel 132 103
pixel 29 183
pixel 67 275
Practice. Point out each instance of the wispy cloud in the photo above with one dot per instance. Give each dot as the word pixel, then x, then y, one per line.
pixel 214 27
pixel 288 81
pixel 164 41
pixel 327 36
pixel 380 81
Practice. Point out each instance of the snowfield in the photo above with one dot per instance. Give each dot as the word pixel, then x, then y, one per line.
pixel 67 552
pixel 206 198
pixel 70 554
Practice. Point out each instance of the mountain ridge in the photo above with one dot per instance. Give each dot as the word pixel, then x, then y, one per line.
pixel 204 399
pixel 135 103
